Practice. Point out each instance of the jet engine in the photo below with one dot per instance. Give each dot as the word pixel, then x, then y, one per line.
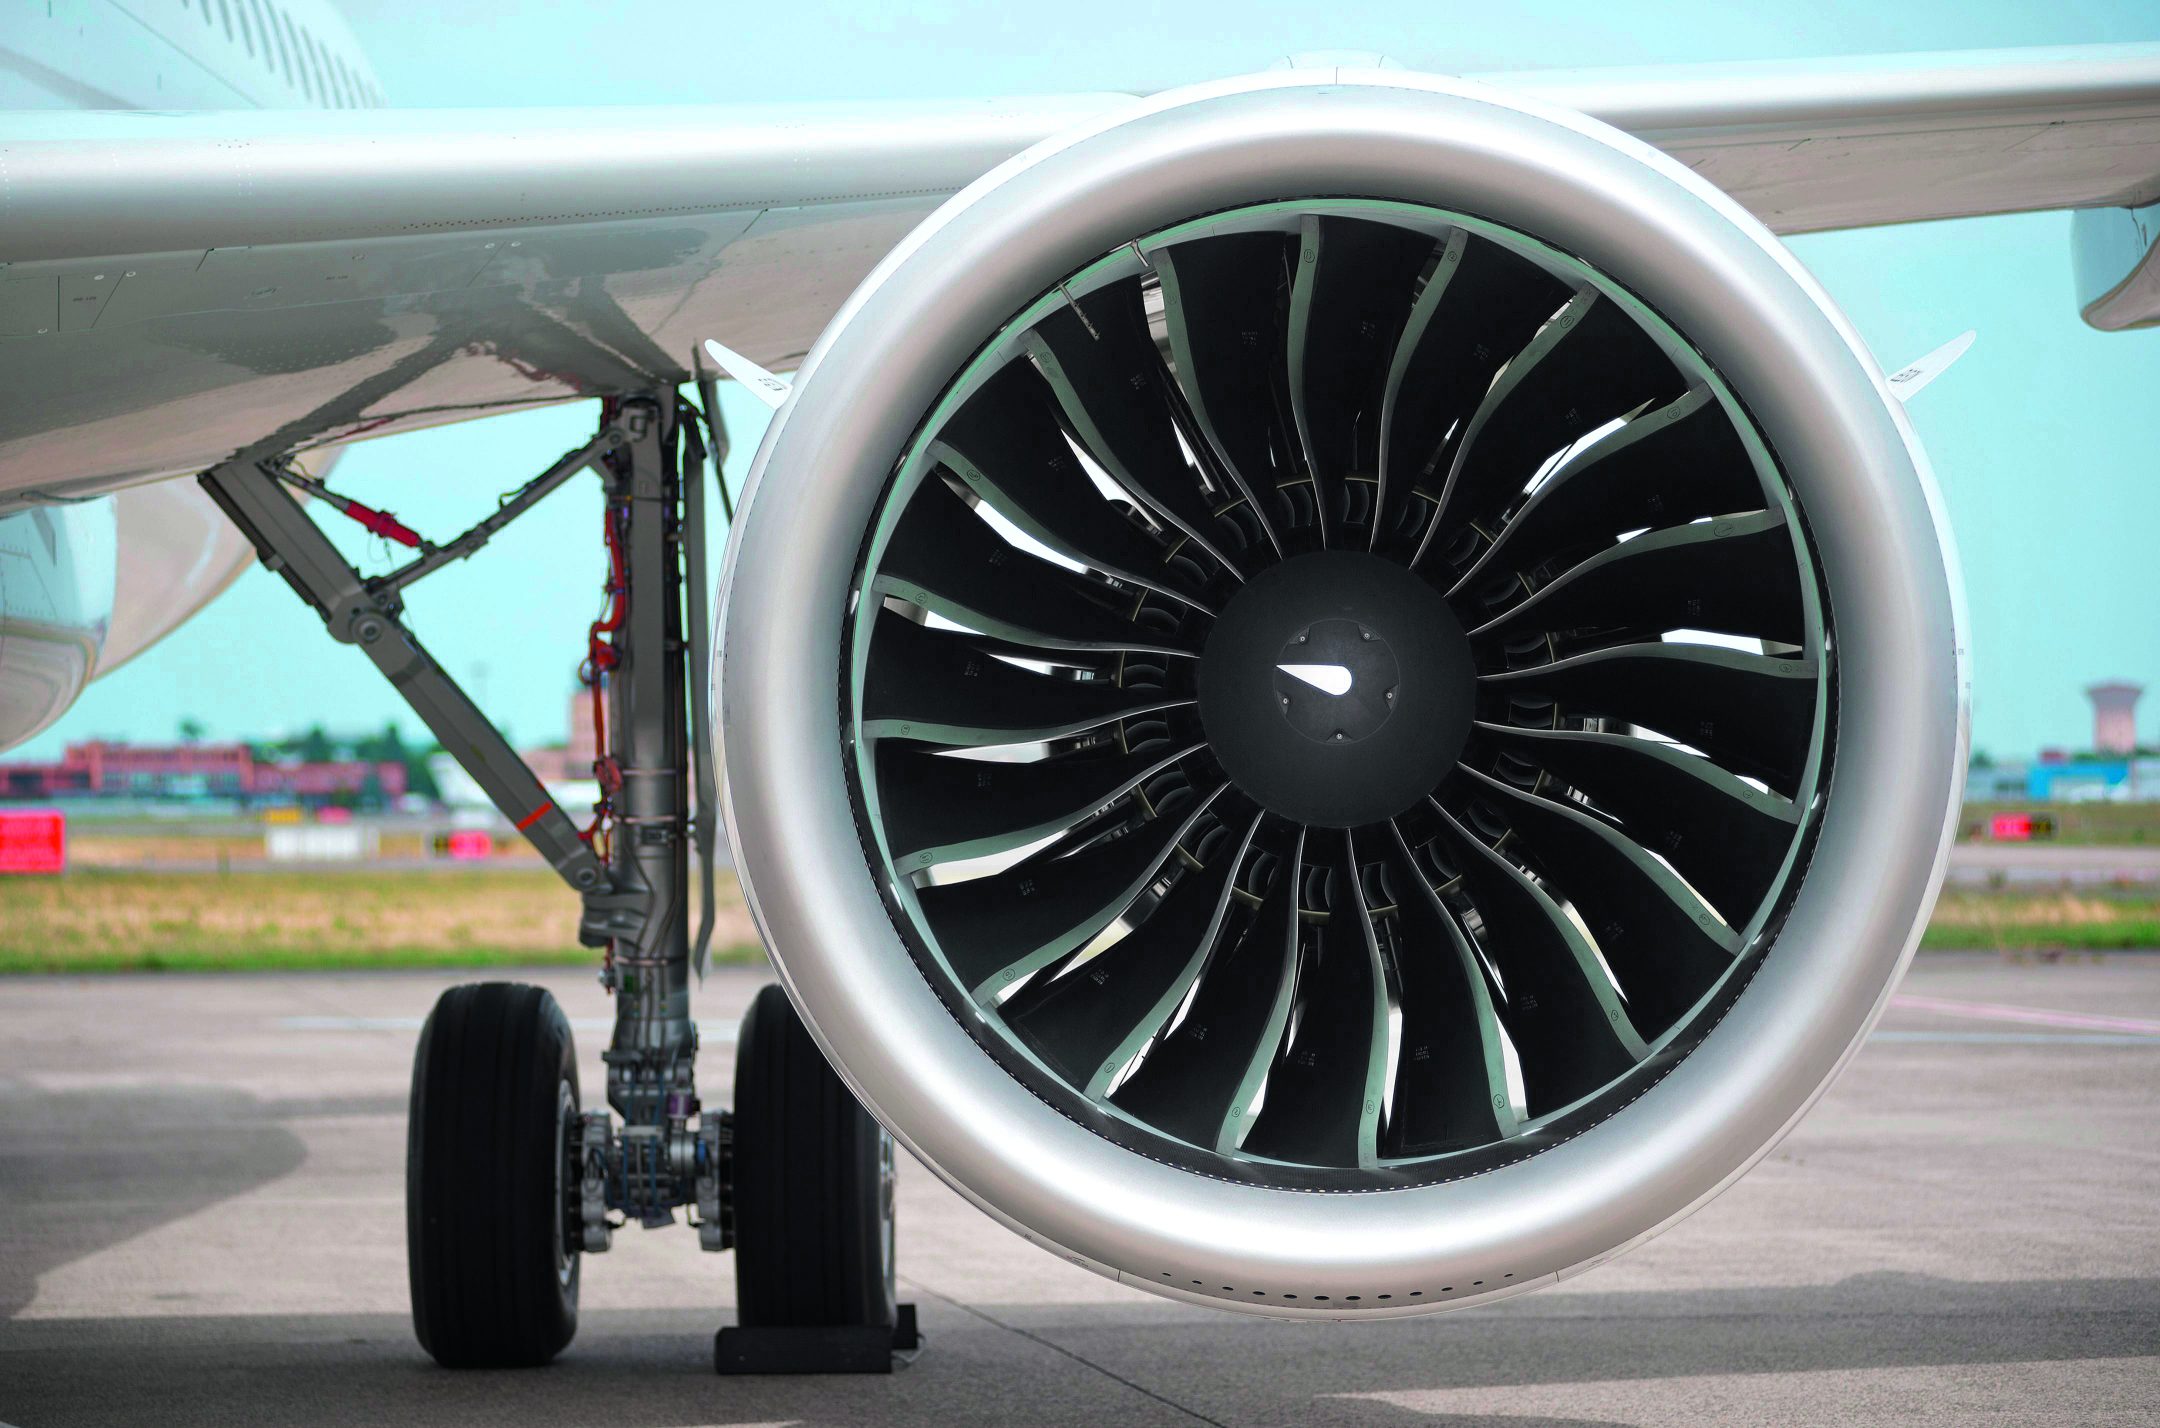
pixel 1342 696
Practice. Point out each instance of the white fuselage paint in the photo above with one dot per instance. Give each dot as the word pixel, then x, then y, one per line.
pixel 87 585
pixel 182 54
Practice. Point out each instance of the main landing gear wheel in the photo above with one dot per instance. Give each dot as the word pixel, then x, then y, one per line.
pixel 813 1184
pixel 488 1177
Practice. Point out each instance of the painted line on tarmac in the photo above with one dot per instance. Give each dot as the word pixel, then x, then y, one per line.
pixel 2031 1016
pixel 724 1033
pixel 707 1030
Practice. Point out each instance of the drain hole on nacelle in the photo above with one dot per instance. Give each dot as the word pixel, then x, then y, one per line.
pixel 1345 1298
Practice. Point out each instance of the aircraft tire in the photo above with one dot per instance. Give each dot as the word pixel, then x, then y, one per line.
pixel 493 1270
pixel 813 1183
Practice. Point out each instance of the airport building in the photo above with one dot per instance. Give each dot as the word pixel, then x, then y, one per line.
pixel 99 769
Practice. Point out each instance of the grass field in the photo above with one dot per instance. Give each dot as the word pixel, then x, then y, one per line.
pixel 98 920
pixel 2011 921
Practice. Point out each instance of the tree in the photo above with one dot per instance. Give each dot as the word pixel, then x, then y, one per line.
pixel 315 745
pixel 419 778
pixel 388 747
pixel 191 730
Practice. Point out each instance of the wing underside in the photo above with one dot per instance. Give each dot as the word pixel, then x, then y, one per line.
pixel 177 288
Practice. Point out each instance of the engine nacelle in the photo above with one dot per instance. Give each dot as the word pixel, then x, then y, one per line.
pixel 56 605
pixel 1341 697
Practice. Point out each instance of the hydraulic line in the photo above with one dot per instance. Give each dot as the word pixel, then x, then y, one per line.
pixel 380 523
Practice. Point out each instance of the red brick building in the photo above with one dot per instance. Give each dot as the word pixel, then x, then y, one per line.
pixel 98 769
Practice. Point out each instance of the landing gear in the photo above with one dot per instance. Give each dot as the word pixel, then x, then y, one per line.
pixel 489 1171
pixel 510 1184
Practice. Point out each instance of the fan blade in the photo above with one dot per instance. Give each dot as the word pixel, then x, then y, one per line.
pixel 1222 304
pixel 1667 466
pixel 1198 1079
pixel 1355 283
pixel 1006 445
pixel 1451 1085
pixel 1663 943
pixel 997 929
pixel 938 808
pixel 1568 1025
pixel 1591 364
pixel 1101 363
pixel 1753 713
pixel 1089 1022
pixel 938 686
pixel 1327 1083
pixel 944 557
pixel 1736 575
pixel 1727 838
pixel 1479 307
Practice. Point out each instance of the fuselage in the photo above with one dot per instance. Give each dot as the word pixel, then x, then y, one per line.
pixel 183 54
pixel 87 584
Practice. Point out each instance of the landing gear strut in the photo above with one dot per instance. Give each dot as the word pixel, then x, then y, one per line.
pixel 510 1182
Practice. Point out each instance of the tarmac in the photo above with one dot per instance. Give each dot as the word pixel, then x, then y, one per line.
pixel 203 1182
pixel 1980 864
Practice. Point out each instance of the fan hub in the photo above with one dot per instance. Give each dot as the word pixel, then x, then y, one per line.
pixel 1337 688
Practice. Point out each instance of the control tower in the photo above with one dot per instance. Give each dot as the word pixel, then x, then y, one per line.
pixel 2114 717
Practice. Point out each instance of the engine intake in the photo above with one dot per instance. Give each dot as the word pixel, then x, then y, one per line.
pixel 1350 637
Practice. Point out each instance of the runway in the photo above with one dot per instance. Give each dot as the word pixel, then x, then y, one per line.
pixel 203 1179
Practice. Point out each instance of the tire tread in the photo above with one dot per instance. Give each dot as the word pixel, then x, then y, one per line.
pixel 808 1193
pixel 480 1142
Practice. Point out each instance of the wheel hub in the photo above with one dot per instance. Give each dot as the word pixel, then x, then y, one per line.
pixel 1337 688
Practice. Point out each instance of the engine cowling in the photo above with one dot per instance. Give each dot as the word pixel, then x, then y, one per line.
pixel 1341 697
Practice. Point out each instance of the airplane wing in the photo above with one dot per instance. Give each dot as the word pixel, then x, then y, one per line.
pixel 178 287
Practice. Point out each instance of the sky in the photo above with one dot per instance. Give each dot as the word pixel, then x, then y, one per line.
pixel 2045 438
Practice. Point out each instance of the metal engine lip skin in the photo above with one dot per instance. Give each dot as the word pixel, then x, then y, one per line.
pixel 1711 271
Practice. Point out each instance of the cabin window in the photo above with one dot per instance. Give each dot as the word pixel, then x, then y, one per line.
pixel 262 28
pixel 299 56
pixel 316 68
pixel 277 38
